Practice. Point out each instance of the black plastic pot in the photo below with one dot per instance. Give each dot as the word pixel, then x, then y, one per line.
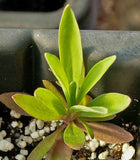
pixel 23 66
pixel 85 11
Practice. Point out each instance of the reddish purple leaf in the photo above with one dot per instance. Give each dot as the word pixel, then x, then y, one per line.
pixel 59 151
pixel 110 133
pixel 6 98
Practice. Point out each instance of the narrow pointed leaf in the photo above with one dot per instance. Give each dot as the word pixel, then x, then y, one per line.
pixel 98 119
pixel 87 127
pixel 114 102
pixel 74 137
pixel 51 87
pixel 59 151
pixel 36 109
pixel 94 75
pixel 48 99
pixel 85 111
pixel 44 146
pixel 6 98
pixel 110 133
pixel 59 72
pixel 70 48
pixel 72 89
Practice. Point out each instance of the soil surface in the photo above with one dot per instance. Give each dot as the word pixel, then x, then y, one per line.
pixel 83 154
pixel 31 5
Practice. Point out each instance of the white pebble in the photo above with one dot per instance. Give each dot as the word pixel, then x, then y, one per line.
pixel 125 147
pixel 128 154
pixel 2 134
pixel 27 131
pixel 0 158
pixel 53 124
pixel 32 125
pixel 102 143
pixel 52 128
pixel 28 139
pixel 20 157
pixel 24 152
pixel 35 135
pixel 40 124
pixel 47 129
pixel 15 114
pixel 20 124
pixel 6 146
pixel 21 144
pixel 93 155
pixel 103 155
pixel 41 132
pixel 14 124
pixel 5 158
pixel 93 144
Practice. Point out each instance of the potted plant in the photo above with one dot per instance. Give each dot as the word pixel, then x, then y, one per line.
pixel 75 111
pixel 45 14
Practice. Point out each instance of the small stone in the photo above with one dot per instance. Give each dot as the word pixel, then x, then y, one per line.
pixel 6 146
pixel 52 128
pixel 103 155
pixel 21 144
pixel 20 157
pixel 47 129
pixel 24 152
pixel 102 143
pixel 2 134
pixel 40 124
pixel 93 144
pixel 20 124
pixel 32 125
pixel 41 132
pixel 125 147
pixel 5 158
pixel 14 124
pixel 134 127
pixel 27 131
pixel 35 135
pixel 0 158
pixel 15 114
pixel 53 124
pixel 93 155
pixel 28 139
pixel 128 154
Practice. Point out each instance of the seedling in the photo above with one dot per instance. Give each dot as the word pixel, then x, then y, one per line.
pixel 81 114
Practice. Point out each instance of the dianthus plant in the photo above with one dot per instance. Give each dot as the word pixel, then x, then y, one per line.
pixel 80 113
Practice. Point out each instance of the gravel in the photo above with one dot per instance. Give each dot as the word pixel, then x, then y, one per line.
pixel 23 137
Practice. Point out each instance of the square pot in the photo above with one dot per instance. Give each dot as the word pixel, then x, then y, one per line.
pixel 23 66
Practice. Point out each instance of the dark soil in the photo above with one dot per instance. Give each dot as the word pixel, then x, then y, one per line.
pixel 31 5
pixel 82 154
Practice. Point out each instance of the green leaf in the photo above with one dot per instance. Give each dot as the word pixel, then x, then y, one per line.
pixel 74 137
pixel 72 89
pixel 85 111
pixel 94 75
pixel 6 98
pixel 70 47
pixel 51 87
pixel 44 146
pixel 48 99
pixel 114 102
pixel 87 127
pixel 59 151
pixel 59 73
pixel 36 109
pixel 99 119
